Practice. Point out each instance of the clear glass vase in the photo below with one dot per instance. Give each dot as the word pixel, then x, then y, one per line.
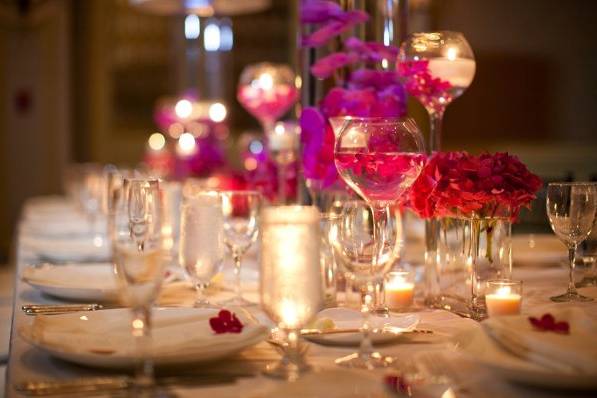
pixel 469 252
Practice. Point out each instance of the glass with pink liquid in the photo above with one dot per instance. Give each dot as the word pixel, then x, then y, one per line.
pixel 267 91
pixel 379 158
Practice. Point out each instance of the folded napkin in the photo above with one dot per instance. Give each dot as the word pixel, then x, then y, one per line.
pixel 574 353
pixel 174 331
pixel 62 226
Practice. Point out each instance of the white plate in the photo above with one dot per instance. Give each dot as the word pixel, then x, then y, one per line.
pixel 93 282
pixel 537 250
pixel 477 346
pixel 79 249
pixel 346 318
pixel 102 338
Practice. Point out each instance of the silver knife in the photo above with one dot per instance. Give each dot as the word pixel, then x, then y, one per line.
pixel 32 309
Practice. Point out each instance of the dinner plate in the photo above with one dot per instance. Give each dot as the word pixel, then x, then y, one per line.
pixel 103 339
pixel 477 346
pixel 537 250
pixel 346 318
pixel 93 282
pixel 67 249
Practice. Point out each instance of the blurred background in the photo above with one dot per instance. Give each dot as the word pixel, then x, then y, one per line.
pixel 80 80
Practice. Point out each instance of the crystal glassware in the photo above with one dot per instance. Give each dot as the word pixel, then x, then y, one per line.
pixel 437 67
pixel 201 242
pixel 139 261
pixel 240 209
pixel 365 259
pixel 92 194
pixel 267 91
pixel 291 287
pixel 283 145
pixel 571 211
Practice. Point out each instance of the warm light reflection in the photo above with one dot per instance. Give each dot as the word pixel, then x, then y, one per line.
pixel 217 112
pixel 264 82
pixel 250 164
pixel 183 108
pixel 452 53
pixel 156 141
pixel 186 144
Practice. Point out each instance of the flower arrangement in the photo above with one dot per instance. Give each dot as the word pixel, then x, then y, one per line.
pixel 361 87
pixel 485 186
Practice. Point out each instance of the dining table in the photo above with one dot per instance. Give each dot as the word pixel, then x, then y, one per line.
pixel 468 378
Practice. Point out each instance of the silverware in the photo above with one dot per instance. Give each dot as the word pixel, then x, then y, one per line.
pixel 119 383
pixel 32 309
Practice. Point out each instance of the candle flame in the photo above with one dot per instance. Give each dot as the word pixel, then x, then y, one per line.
pixel 504 291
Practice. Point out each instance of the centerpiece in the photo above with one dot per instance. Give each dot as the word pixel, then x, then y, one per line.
pixel 475 199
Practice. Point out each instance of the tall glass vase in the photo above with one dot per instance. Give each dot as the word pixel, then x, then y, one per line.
pixel 470 252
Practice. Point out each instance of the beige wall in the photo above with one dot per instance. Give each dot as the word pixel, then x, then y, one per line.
pixel 35 51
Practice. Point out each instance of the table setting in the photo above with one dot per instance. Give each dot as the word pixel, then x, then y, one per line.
pixel 355 257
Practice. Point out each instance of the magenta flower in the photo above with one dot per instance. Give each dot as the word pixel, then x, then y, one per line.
pixel 319 11
pixel 371 51
pixel 332 21
pixel 326 66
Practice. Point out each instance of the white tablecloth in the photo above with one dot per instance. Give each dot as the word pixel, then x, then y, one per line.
pixel 28 363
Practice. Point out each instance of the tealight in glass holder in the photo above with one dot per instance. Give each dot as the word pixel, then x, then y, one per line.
pixel 399 290
pixel 503 297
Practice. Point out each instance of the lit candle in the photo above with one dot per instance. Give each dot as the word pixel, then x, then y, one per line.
pixel 459 72
pixel 399 290
pixel 284 137
pixel 503 297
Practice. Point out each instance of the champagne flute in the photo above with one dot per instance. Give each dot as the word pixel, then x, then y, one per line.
pixel 571 210
pixel 437 67
pixel 139 261
pixel 240 210
pixel 201 245
pixel 365 261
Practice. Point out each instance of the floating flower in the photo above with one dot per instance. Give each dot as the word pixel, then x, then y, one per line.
pixel 226 322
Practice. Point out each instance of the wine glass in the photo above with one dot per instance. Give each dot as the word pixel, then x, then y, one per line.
pixel 291 287
pixel 571 211
pixel 267 91
pixel 139 261
pixel 201 242
pixel 91 195
pixel 283 144
pixel 437 68
pixel 240 210
pixel 364 261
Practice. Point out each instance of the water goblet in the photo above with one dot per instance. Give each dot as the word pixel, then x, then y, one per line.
pixel 240 209
pixel 291 287
pixel 437 68
pixel 201 242
pixel 571 211
pixel 365 259
pixel 139 267
pixel 267 91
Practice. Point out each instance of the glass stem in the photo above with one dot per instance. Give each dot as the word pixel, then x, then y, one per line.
pixel 142 332
pixel 236 257
pixel 281 183
pixel 380 220
pixel 435 130
pixel 200 299
pixel 366 347
pixel 572 259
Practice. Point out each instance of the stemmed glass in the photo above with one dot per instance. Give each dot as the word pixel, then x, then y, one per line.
pixel 240 210
pixel 267 91
pixel 379 158
pixel 92 192
pixel 437 68
pixel 201 243
pixel 365 262
pixel 139 261
pixel 571 210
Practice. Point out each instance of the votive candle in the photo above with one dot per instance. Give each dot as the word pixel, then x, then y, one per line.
pixel 503 297
pixel 399 290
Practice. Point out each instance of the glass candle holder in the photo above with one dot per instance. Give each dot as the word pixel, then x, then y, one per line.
pixel 291 286
pixel 399 290
pixel 503 297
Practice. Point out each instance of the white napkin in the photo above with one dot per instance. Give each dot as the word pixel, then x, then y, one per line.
pixel 108 331
pixel 571 353
pixel 62 226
